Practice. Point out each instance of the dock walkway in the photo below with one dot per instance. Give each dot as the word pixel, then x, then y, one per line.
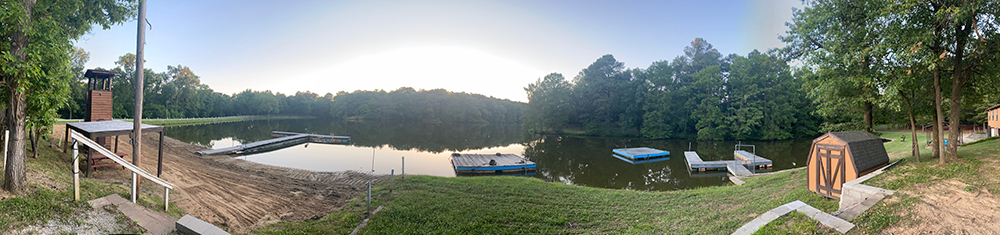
pixel 284 139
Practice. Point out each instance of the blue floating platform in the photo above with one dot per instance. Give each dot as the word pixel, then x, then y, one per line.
pixel 481 163
pixel 640 161
pixel 641 153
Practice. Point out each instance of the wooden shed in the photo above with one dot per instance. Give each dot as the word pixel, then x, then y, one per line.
pixel 838 157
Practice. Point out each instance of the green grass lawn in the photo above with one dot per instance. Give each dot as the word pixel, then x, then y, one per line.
pixel 508 204
pixel 50 193
pixel 492 205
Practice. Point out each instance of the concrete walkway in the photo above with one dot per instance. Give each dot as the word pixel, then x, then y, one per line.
pixel 826 219
pixel 154 222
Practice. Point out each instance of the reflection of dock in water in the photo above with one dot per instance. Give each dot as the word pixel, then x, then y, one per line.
pixel 284 140
pixel 522 173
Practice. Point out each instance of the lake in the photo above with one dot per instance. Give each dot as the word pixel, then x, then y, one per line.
pixel 377 147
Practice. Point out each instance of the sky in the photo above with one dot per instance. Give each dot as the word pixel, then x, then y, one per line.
pixel 494 48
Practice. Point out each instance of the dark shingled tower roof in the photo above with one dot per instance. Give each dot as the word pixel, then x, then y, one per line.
pixel 866 149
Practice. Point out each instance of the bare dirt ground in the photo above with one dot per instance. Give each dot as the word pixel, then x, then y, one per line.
pixel 239 195
pixel 945 208
pixel 949 207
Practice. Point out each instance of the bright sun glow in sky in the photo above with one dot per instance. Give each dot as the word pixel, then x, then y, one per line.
pixel 489 47
pixel 455 68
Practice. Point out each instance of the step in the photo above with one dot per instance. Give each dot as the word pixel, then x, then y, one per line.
pixel 154 222
pixel 194 226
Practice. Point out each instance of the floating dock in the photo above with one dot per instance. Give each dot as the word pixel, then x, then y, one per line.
pixel 752 160
pixel 285 139
pixel 490 163
pixel 640 161
pixel 734 167
pixel 640 153
pixel 313 138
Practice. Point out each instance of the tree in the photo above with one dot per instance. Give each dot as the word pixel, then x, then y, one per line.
pixel 37 43
pixel 548 104
pixel 762 98
pixel 841 38
pixel 598 89
pixel 970 51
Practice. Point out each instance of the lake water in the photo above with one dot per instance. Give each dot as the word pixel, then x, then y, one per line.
pixel 378 147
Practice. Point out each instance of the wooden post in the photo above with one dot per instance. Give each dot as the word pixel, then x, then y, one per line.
pixel 137 117
pixel 159 155
pixel 135 184
pixel 369 199
pixel 65 143
pixel 392 176
pixel 76 171
pixel 166 199
pixel 403 168
pixel 89 160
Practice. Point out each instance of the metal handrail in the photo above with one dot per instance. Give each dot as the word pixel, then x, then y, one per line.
pixel 78 138
pixel 753 159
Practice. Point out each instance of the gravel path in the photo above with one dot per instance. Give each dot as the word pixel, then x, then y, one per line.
pixel 94 221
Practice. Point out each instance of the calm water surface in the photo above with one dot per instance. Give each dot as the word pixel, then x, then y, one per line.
pixel 378 147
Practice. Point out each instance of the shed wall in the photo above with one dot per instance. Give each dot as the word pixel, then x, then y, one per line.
pixel 814 165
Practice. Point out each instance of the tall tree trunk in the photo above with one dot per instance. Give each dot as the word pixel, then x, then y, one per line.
pixel 868 106
pixel 14 175
pixel 31 138
pixel 957 80
pixel 3 128
pixel 938 116
pixel 36 135
pixel 14 171
pixel 913 127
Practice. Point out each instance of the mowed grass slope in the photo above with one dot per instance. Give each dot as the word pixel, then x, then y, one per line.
pixel 492 205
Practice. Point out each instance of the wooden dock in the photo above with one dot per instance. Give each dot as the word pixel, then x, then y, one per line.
pixel 734 167
pixel 752 160
pixel 737 169
pixel 284 139
pixel 490 163
pixel 640 153
pixel 694 162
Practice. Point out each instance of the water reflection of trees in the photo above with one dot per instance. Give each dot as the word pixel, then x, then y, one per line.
pixel 427 137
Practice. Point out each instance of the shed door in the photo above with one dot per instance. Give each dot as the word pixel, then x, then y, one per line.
pixel 830 174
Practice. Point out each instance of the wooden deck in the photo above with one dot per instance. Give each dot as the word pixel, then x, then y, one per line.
pixel 640 153
pixel 480 163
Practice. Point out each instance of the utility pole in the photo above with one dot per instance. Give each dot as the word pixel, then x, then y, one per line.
pixel 137 121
